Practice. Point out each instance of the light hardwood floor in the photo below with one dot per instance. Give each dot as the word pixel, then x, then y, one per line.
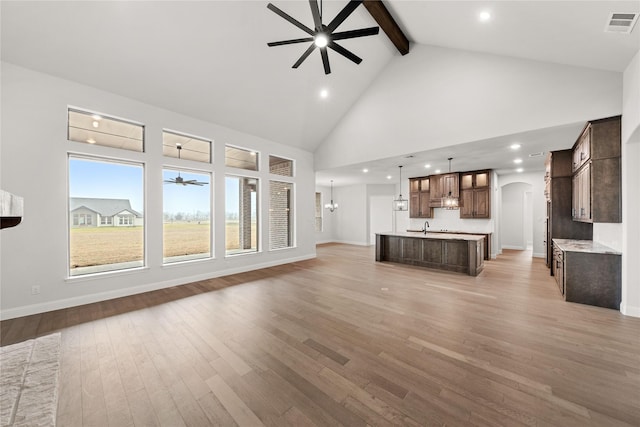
pixel 343 340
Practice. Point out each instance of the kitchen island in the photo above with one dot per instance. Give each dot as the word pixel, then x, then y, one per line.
pixel 462 253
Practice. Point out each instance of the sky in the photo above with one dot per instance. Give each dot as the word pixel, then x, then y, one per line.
pixel 108 180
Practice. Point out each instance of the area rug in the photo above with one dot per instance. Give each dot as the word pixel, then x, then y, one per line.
pixel 29 382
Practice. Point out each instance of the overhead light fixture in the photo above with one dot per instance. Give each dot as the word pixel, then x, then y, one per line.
pixel 388 176
pixel 95 124
pixel 519 170
pixel 400 204
pixel 331 206
pixel 484 16
pixel 321 40
pixel 449 201
pixel 365 170
pixel 515 146
pixel 427 166
pixel 91 141
pixel 517 161
pixel 324 93
pixel 438 171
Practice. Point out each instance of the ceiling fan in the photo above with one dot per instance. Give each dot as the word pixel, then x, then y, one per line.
pixel 180 180
pixel 323 36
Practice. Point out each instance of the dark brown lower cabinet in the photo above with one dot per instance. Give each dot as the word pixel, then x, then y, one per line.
pixel 588 278
pixel 462 256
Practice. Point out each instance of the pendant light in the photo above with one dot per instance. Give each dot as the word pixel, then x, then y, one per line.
pixel 449 201
pixel 331 206
pixel 400 204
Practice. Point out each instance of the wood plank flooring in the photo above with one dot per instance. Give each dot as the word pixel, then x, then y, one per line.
pixel 343 340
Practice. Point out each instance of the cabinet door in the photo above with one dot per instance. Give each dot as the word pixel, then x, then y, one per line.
pixel 425 209
pixel 450 185
pixel 481 203
pixel 585 146
pixel 575 199
pixel 585 199
pixel 466 204
pixel 424 184
pixel 576 156
pixel 466 181
pixel 435 190
pixel 481 180
pixel 414 185
pixel 414 204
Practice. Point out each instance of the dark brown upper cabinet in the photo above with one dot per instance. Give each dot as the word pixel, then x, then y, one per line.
pixel 475 194
pixel 419 195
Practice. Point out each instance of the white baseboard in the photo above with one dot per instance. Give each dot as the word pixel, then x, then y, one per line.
pixel 44 307
pixel 517 248
pixel 538 255
pixel 629 311
pixel 349 242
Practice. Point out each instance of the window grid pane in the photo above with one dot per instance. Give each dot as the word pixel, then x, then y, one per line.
pixel 280 215
pixel 280 166
pixel 241 158
pixel 241 215
pixel 91 128
pixel 186 147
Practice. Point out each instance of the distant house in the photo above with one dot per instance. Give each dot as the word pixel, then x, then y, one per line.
pixel 87 212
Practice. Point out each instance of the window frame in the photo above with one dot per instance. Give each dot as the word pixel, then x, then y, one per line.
pixel 258 209
pixel 71 108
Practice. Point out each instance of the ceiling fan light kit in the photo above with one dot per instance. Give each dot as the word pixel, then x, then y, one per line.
pixel 178 180
pixel 324 36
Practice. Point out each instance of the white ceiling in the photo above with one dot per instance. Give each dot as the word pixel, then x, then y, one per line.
pixel 209 59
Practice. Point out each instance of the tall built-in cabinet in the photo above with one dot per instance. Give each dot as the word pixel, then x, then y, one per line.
pixel 475 191
pixel 596 184
pixel 558 177
pixel 419 198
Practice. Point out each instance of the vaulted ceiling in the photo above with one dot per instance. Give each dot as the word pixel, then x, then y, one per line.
pixel 210 60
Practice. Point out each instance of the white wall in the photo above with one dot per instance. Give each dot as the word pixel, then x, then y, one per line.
pixel 34 165
pixel 513 226
pixel 630 189
pixel 538 202
pixel 436 97
pixel 352 215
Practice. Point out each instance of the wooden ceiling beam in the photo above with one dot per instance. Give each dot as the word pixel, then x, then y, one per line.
pixel 381 14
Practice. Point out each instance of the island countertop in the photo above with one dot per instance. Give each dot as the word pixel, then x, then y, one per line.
pixel 437 236
pixel 588 246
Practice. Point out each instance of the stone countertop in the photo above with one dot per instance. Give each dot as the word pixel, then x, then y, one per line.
pixel 589 246
pixel 435 236
pixel 450 231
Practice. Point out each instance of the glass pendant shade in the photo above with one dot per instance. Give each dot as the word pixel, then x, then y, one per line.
pixel 400 204
pixel 449 201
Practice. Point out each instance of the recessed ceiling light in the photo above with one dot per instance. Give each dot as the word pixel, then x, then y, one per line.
pixel 95 124
pixel 91 141
pixel 365 170
pixel 519 170
pixel 253 153
pixel 427 166
pixel 388 176
pixel 515 146
pixel 517 161
pixel 324 93
pixel 437 170
pixel 96 117
pixel 484 16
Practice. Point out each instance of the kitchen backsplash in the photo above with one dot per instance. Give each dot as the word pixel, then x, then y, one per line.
pixel 450 220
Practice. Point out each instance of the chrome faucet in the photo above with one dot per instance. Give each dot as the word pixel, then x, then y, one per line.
pixel 425 226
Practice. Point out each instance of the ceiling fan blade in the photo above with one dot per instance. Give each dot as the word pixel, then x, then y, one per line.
pixel 344 52
pixel 304 55
pixel 315 12
pixel 170 181
pixel 325 60
pixel 371 31
pixel 292 41
pixel 344 14
pixel 290 19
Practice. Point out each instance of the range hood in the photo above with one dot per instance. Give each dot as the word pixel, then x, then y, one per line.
pixel 11 209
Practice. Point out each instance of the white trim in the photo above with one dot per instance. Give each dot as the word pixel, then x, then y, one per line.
pixel 517 248
pixel 349 242
pixel 538 255
pixel 629 310
pixel 322 242
pixel 28 310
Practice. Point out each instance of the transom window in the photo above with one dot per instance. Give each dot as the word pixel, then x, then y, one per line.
pixel 98 129
pixel 240 158
pixel 280 166
pixel 185 147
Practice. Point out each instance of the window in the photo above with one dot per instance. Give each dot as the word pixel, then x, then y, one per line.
pixel 318 212
pixel 98 129
pixel 280 215
pixel 280 166
pixel 105 188
pixel 241 158
pixel 187 215
pixel 185 147
pixel 241 215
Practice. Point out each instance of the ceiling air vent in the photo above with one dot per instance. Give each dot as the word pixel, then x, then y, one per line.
pixel 621 23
